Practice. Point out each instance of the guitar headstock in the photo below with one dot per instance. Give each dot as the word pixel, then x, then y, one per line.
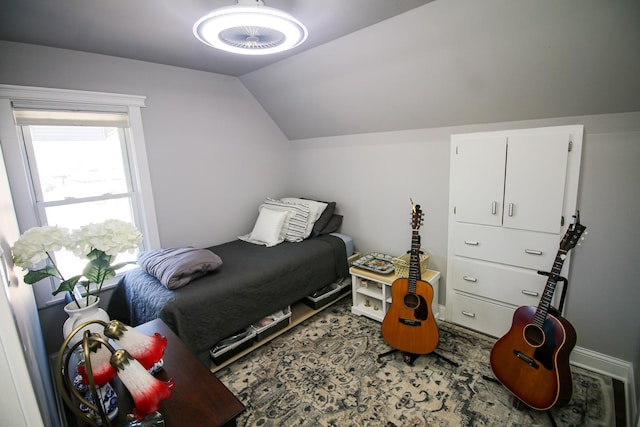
pixel 573 234
pixel 416 216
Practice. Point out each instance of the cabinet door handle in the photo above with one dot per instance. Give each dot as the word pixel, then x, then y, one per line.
pixel 510 209
pixel 471 242
pixel 530 293
pixel 533 251
pixel 469 279
pixel 494 208
pixel 468 313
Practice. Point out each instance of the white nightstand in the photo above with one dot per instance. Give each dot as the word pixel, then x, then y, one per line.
pixel 374 299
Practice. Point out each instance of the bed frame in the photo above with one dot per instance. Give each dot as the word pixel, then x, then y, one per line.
pixel 253 282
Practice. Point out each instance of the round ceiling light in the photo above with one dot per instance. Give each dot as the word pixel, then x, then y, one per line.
pixel 250 30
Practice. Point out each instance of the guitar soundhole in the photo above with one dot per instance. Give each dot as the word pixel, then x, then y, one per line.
pixel 534 335
pixel 411 301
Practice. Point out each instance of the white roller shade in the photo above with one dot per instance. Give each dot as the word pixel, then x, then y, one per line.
pixel 26 113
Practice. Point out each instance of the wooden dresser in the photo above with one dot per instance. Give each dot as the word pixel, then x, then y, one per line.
pixel 512 197
pixel 198 399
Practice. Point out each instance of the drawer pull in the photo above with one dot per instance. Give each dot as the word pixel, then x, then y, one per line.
pixel 533 252
pixel 469 279
pixel 530 293
pixel 471 242
pixel 468 313
pixel 494 208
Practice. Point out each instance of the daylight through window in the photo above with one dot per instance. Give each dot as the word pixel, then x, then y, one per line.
pixel 80 171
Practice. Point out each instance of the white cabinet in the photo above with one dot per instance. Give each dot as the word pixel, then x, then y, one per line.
pixel 515 181
pixel 477 184
pixel 512 196
pixel 371 292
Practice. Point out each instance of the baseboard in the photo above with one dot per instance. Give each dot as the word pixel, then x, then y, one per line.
pixel 615 368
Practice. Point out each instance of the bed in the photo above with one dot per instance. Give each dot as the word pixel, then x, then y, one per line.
pixel 253 282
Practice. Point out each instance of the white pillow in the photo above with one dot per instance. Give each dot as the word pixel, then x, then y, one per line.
pixel 268 228
pixel 296 223
pixel 315 210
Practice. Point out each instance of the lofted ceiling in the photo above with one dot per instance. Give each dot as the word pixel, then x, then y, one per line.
pixel 160 31
pixel 380 65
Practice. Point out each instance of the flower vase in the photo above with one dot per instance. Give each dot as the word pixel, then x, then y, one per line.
pixel 78 316
pixel 106 394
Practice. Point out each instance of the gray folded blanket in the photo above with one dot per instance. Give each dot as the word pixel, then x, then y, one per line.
pixel 176 267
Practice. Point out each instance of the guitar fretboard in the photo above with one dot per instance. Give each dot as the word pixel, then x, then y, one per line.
pixel 549 289
pixel 414 262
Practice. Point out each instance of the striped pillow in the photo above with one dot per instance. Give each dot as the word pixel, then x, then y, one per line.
pixel 315 210
pixel 296 225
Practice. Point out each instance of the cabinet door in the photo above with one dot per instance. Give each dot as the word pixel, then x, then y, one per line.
pixel 477 180
pixel 535 181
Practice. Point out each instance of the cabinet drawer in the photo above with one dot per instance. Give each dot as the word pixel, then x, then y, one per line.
pixel 522 248
pixel 513 285
pixel 484 316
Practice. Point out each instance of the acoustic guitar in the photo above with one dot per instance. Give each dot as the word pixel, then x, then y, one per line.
pixel 409 325
pixel 532 359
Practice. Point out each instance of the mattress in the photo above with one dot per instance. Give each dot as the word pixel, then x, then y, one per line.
pixel 253 282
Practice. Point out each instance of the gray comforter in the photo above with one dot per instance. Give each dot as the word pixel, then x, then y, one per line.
pixel 253 282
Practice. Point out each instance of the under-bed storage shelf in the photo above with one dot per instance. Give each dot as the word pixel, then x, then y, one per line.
pixel 280 321
pixel 299 313
pixel 328 294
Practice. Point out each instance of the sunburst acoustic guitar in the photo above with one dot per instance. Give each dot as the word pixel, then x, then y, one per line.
pixel 532 359
pixel 409 325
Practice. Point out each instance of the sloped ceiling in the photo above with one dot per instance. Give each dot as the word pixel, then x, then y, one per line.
pixel 381 65
pixel 460 62
pixel 161 30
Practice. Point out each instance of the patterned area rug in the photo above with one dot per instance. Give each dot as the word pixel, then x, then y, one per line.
pixel 326 372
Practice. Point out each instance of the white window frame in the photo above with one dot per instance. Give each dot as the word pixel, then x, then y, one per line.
pixel 20 179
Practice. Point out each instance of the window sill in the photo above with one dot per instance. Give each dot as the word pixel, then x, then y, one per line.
pixel 60 298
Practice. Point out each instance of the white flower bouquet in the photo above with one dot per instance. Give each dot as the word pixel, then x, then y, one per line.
pixel 99 243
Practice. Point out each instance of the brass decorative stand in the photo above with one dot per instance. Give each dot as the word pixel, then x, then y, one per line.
pixel 64 380
pixel 72 397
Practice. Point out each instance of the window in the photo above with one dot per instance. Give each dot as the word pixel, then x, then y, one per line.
pixel 79 174
pixel 77 167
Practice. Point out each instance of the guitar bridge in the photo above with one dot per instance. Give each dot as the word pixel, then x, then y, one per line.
pixel 528 360
pixel 409 322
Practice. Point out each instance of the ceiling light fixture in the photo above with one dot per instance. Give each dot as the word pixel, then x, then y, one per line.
pixel 250 28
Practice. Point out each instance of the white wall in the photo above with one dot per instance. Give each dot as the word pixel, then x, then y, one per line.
pixel 210 145
pixel 214 154
pixel 372 176
pixel 27 394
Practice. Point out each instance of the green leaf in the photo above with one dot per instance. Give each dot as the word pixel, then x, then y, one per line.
pixel 34 276
pixel 98 270
pixel 97 254
pixel 67 285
